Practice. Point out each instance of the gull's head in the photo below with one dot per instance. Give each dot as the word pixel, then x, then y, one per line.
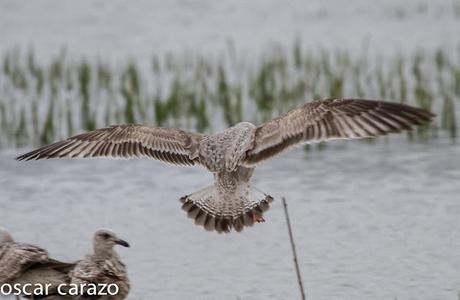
pixel 5 236
pixel 105 240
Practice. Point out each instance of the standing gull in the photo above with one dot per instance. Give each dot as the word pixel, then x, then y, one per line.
pixel 232 155
pixel 102 267
pixel 23 263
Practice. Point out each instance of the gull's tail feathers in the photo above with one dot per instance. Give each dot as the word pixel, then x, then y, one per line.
pixel 223 211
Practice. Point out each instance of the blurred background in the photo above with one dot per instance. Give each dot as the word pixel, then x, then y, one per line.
pixel 372 220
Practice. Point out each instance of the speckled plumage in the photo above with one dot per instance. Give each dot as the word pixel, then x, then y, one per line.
pixel 231 155
pixel 23 263
pixel 103 266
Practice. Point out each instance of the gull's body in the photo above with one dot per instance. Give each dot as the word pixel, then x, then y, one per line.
pixel 103 266
pixel 23 263
pixel 232 155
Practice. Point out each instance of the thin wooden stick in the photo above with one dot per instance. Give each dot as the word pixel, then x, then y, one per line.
pixel 294 252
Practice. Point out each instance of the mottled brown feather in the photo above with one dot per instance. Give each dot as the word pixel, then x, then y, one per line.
pixel 126 141
pixel 16 258
pixel 332 119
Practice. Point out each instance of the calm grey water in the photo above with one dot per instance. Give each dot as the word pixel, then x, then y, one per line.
pixel 371 222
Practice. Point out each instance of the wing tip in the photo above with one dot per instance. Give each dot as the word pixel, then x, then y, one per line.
pixel 26 157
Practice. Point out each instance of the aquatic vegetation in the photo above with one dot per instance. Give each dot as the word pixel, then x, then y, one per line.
pixel 44 101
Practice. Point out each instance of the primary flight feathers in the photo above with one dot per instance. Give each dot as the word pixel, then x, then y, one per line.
pixel 312 122
pixel 124 141
pixel 233 153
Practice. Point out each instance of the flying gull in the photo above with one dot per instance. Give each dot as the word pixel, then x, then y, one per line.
pixel 23 263
pixel 232 155
pixel 102 267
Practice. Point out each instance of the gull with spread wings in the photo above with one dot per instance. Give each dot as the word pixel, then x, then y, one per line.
pixel 232 155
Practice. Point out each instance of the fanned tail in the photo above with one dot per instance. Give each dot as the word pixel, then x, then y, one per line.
pixel 222 212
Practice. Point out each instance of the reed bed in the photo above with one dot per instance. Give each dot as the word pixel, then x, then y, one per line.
pixel 41 102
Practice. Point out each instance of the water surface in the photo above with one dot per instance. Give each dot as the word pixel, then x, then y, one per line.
pixel 371 222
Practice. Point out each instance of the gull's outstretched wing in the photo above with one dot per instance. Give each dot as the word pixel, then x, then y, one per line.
pixel 332 119
pixel 16 258
pixel 126 141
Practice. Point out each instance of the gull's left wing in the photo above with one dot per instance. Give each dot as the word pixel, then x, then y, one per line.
pixel 332 119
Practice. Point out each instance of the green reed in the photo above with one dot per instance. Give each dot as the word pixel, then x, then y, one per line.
pixel 41 102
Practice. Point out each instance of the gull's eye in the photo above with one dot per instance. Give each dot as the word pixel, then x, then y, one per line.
pixel 105 236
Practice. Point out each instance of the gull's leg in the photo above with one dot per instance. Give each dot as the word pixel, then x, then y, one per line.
pixel 263 206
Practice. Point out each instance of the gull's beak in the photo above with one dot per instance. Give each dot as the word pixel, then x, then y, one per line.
pixel 122 243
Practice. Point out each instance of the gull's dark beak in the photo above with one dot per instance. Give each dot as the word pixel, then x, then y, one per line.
pixel 122 243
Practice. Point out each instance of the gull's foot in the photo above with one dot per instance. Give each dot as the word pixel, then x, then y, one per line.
pixel 258 219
